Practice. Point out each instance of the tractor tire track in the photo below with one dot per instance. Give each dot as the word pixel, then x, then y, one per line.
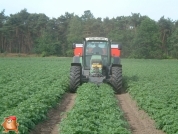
pixel 139 121
pixel 51 125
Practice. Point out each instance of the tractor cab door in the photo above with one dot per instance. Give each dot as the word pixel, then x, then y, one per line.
pixel 94 48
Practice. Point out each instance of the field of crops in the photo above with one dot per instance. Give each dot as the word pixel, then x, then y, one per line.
pixel 154 84
pixel 29 87
pixel 96 111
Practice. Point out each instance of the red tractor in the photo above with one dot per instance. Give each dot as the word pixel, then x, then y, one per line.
pixel 97 60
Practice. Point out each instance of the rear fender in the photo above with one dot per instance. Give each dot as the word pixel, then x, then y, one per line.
pixel 116 60
pixel 76 64
pixel 77 59
pixel 116 65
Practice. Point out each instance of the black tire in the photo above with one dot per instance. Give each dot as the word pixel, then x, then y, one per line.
pixel 75 78
pixel 116 79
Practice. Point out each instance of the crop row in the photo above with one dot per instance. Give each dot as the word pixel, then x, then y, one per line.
pixel 153 84
pixel 95 111
pixel 30 87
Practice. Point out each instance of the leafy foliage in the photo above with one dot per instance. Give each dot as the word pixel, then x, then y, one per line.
pixel 95 112
pixel 153 84
pixel 146 42
pixel 29 87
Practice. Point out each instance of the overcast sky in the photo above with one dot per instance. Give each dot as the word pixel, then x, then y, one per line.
pixel 154 9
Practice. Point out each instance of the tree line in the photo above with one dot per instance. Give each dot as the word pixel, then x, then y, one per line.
pixel 140 36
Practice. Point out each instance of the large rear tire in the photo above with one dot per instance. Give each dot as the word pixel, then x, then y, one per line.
pixel 116 79
pixel 75 78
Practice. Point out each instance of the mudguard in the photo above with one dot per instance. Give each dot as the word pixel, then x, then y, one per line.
pixel 76 61
pixel 116 60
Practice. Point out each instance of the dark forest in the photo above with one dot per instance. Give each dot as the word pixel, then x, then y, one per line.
pixel 140 36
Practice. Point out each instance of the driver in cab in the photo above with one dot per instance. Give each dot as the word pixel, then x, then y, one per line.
pixel 97 49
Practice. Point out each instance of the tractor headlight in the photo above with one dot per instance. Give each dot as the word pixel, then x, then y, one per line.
pixel 96 65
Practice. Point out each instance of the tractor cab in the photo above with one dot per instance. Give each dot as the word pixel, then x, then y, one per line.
pixel 96 49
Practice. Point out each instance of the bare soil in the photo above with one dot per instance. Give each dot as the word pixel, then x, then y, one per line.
pixel 139 121
pixel 50 126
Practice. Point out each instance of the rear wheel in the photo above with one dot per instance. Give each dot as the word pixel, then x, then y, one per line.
pixel 116 79
pixel 75 78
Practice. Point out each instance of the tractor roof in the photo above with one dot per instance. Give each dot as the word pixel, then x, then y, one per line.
pixel 96 38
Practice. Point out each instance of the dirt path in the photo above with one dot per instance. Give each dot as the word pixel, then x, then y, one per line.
pixel 50 126
pixel 139 121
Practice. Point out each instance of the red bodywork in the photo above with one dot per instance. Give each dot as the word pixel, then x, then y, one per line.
pixel 115 52
pixel 78 51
